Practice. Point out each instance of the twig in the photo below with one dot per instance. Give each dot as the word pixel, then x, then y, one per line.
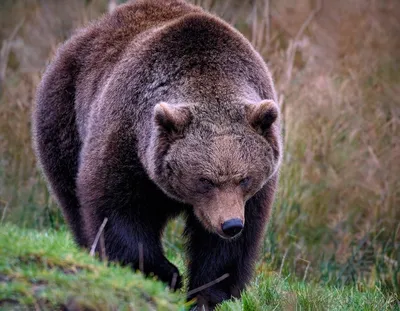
pixel 267 22
pixel 3 215
pixel 96 240
pixel 102 247
pixel 306 272
pixel 293 47
pixel 200 288
pixel 308 267
pixel 141 257
pixel 174 280
pixel 260 34
pixel 283 261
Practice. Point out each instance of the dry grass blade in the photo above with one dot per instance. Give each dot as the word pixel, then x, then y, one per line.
pixel 291 52
pixel 174 280
pixel 3 214
pixel 207 285
pixel 5 50
pixel 141 257
pixel 97 238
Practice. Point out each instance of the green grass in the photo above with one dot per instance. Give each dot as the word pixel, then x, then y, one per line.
pixel 276 293
pixel 45 270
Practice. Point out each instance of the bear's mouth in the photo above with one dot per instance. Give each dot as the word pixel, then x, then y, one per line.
pixel 228 238
pixel 206 222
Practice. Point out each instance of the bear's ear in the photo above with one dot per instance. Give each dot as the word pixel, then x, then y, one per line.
pixel 172 118
pixel 262 115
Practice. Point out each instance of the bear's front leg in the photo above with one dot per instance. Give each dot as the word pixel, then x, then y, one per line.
pixel 112 186
pixel 134 243
pixel 219 269
pixel 213 266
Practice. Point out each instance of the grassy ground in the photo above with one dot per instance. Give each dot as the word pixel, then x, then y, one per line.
pixel 273 293
pixel 336 220
pixel 45 271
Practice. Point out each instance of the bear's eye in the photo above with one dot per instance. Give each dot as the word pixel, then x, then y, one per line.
pixel 245 182
pixel 205 185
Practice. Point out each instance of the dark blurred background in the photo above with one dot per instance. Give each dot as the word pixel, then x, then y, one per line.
pixel 337 70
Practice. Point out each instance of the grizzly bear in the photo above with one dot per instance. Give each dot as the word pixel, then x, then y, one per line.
pixel 160 109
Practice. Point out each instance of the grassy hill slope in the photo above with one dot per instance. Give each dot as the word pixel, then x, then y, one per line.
pixel 45 271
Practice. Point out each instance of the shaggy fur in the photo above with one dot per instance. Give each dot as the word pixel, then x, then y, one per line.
pixel 155 110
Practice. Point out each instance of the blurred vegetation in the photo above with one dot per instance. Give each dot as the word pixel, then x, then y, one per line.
pixel 337 70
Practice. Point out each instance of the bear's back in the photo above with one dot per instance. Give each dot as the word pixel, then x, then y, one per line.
pixel 95 50
pixel 197 58
pixel 151 50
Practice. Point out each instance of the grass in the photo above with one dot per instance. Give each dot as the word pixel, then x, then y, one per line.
pixel 337 70
pixel 44 270
pixel 277 293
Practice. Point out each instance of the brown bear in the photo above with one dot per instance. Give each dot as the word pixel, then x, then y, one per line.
pixel 160 109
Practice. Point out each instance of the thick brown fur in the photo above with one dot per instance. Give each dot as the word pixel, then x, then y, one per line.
pixel 157 109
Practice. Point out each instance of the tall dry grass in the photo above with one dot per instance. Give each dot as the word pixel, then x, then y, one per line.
pixel 337 71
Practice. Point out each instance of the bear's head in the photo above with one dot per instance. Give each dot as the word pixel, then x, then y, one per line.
pixel 215 166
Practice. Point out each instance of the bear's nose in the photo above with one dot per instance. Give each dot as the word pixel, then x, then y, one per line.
pixel 232 227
